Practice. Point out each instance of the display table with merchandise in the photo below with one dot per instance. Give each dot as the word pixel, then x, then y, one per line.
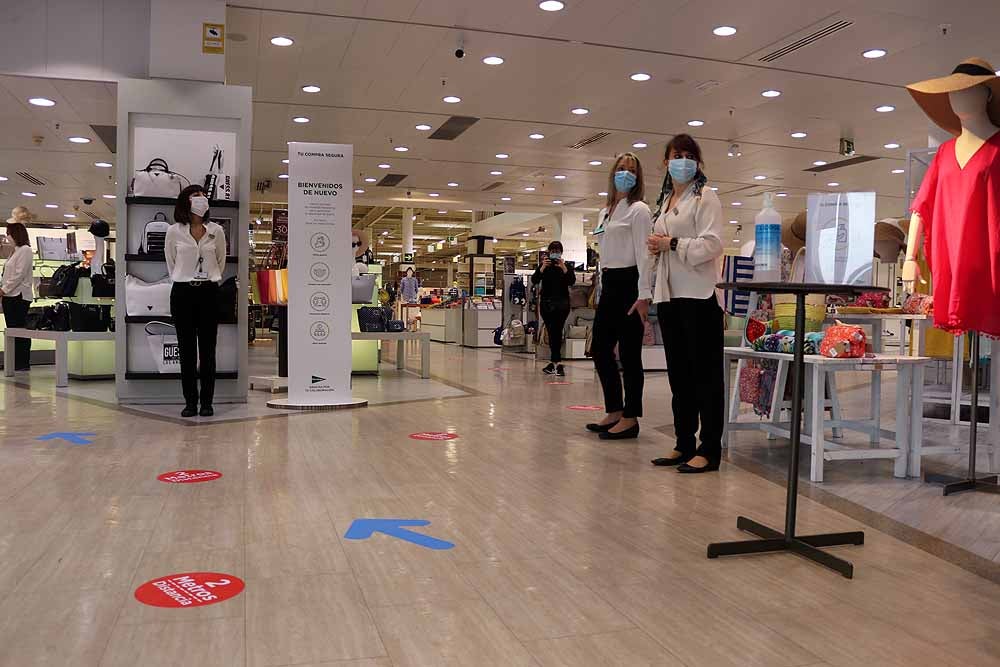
pixel 61 339
pixel 400 339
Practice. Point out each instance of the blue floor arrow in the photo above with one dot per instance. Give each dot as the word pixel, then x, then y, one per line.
pixel 72 438
pixel 362 529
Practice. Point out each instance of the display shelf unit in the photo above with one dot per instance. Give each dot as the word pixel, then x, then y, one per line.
pixel 180 121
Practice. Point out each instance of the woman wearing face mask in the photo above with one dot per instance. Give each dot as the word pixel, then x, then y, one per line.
pixel 622 229
pixel 556 279
pixel 687 245
pixel 195 250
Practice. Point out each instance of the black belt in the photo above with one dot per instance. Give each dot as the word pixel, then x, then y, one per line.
pixel 198 283
pixel 621 269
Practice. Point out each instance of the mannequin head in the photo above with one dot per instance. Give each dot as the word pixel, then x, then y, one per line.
pixel 970 103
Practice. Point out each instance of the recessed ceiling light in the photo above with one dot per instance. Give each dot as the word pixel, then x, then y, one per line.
pixel 439 212
pixel 885 108
pixel 799 135
pixel 770 93
pixel 282 175
pixel 737 203
pixel 734 222
pixel 103 165
pixel 80 140
pixel 819 163
pixel 310 89
pixel 496 172
pixel 602 194
pixel 696 123
pixel 423 127
pixel 30 194
pixel 536 135
pixel 898 171
pixel 640 76
pixel 595 163
pixel 52 206
pixel 69 215
pixel 874 53
pixel 300 119
pixel 551 5
pixel 781 194
pixel 452 184
pixel 580 111
pixel 359 191
pixel 525 234
pixel 285 161
pixel 560 177
pixel 433 194
pixel 110 196
pixel 282 41
pixel 3 178
pixel 891 145
pixel 41 102
pixel 529 189
pixel 832 184
pixel 557 201
pixel 502 156
pixel 760 177
pixel 504 198
pixel 400 149
pixel 724 31
pixel 639 144
pixel 451 99
pixel 713 188
pixel 370 180
pixel 493 60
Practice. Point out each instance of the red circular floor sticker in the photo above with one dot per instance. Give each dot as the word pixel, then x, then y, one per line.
pixel 433 435
pixel 587 408
pixel 189 589
pixel 188 476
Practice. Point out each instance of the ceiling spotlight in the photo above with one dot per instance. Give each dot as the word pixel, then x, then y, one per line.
pixel 359 191
pixel 536 135
pixel 696 123
pixel 110 196
pixel 41 102
pixel 52 206
pixel 529 189
pixel 283 176
pixel 452 184
pixel 770 93
pixel 551 5
pixel 595 163
pixel 423 127
pixel 580 111
pixel 400 149
pixel 640 76
pixel 898 171
pixel 504 198
pixel 285 161
pixel 799 135
pixel 713 188
pixel 737 203
pixel 80 140
pixel 525 234
pixel 30 194
pixel 602 194
pixel 734 222
pixel 433 194
pixel 300 119
pixel 439 212
pixel 385 165
pixel 502 156
pixel 310 89
pixel 451 99
pixel 874 53
pixel 557 201
pixel 560 177
pixel 885 108
pixel 69 215
pixel 103 165
pixel 282 41
pixel 3 178
pixel 370 180
pixel 819 163
pixel 891 145
pixel 832 184
pixel 734 150
pixel 493 60
pixel 639 144
pixel 724 31
pixel 760 177
pixel 496 172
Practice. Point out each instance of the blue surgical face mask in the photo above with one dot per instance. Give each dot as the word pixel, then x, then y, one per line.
pixel 624 180
pixel 683 169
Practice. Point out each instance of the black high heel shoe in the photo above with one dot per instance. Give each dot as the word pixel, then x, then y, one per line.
pixel 687 469
pixel 628 434
pixel 601 428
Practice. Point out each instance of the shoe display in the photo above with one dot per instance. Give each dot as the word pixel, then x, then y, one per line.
pixel 550 369
pixel 206 411
pixel 601 428
pixel 189 411
pixel 560 371
pixel 627 434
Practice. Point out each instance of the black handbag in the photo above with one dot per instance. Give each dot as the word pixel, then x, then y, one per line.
pixel 65 281
pixel 103 284
pixel 88 317
pixel 371 319
pixel 227 294
pixel 45 284
pixel 33 318
pixel 395 326
pixel 55 318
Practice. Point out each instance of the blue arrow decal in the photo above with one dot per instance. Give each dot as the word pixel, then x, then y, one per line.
pixel 362 529
pixel 70 437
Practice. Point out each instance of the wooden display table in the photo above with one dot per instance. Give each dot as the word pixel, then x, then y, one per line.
pixel 61 339
pixel 401 338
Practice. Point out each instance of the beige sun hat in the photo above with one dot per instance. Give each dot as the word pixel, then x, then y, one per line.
pixel 889 239
pixel 793 232
pixel 932 95
pixel 21 214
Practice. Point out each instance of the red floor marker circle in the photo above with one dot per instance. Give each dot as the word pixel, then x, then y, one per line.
pixel 189 589
pixel 587 408
pixel 433 435
pixel 188 476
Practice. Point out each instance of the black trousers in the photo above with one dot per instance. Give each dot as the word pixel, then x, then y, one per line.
pixel 195 310
pixel 614 326
pixel 15 312
pixel 693 339
pixel 554 314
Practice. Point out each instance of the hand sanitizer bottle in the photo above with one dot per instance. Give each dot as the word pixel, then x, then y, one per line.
pixel 767 243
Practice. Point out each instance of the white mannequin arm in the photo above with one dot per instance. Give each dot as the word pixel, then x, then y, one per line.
pixel 911 269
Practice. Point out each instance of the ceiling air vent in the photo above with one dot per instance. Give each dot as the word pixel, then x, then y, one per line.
pixel 591 140
pixel 806 41
pixel 452 128
pixel 850 162
pixel 34 180
pixel 492 186
pixel 391 180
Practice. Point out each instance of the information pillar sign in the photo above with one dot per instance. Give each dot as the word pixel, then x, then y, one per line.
pixel 320 258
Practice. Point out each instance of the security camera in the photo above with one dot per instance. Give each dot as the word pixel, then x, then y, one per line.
pixel 88 200
pixel 460 53
pixel 409 193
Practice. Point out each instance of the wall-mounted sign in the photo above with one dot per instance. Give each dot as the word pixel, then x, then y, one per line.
pixel 407 258
pixel 213 38
pixel 279 225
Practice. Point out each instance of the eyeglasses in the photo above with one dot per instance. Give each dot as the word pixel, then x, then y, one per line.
pixel 355 244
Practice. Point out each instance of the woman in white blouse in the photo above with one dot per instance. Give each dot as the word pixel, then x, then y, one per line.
pixel 623 228
pixel 686 245
pixel 15 289
pixel 195 250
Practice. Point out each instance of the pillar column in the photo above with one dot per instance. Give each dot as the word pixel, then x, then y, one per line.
pixel 407 230
pixel 569 231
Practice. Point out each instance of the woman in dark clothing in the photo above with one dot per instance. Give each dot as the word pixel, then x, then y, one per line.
pixel 556 278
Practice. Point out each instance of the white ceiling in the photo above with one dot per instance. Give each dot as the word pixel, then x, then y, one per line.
pixel 384 66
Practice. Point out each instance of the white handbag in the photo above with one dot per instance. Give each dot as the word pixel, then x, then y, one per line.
pixel 156 180
pixel 142 298
pixel 162 340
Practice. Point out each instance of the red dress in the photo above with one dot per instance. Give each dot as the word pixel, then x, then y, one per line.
pixel 960 209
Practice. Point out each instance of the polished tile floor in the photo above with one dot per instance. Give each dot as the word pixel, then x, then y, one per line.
pixel 567 550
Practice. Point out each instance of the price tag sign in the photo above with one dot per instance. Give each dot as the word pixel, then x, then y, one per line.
pixel 189 589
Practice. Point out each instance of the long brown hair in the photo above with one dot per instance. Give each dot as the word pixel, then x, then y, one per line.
pixel 18 233
pixel 638 191
pixel 182 209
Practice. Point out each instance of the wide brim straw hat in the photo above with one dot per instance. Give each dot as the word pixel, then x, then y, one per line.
pixel 932 95
pixel 889 239
pixel 20 214
pixel 793 233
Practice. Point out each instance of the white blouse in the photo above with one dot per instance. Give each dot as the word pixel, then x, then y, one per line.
pixel 693 270
pixel 189 260
pixel 17 277
pixel 622 237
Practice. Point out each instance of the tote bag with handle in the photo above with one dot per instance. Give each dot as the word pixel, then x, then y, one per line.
pixel 162 341
pixel 156 180
pixel 142 298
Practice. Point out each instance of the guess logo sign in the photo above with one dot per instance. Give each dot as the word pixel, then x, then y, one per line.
pixel 189 476
pixel 189 589
pixel 433 435
pixel 171 353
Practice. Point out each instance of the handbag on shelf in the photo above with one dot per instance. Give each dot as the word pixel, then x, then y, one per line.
pixel 371 319
pixel 363 288
pixel 844 341
pixel 162 341
pixel 154 235
pixel 89 317
pixel 43 285
pixel 33 318
pixel 395 326
pixel 228 294
pixel 918 304
pixel 65 281
pixel 7 246
pixel 142 298
pixel 281 287
pixel 749 383
pixel 103 284
pixel 55 317
pixel 513 334
pixel 211 183
pixel 156 180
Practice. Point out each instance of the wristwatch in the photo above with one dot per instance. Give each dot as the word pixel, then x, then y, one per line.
pixel 673 243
